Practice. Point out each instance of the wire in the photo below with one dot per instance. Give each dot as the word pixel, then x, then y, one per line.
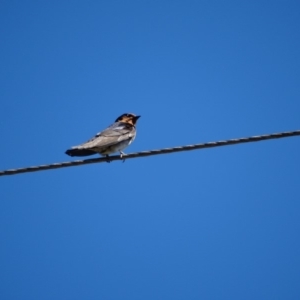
pixel 151 152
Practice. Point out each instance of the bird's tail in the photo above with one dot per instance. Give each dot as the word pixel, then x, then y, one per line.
pixel 80 152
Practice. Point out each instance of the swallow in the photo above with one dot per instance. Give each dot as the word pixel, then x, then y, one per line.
pixel 113 139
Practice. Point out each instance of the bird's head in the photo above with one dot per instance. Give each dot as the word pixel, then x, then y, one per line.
pixel 128 118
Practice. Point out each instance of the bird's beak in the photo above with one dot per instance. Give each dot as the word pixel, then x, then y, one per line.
pixel 137 117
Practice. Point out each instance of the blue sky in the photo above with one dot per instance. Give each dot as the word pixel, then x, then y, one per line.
pixel 219 223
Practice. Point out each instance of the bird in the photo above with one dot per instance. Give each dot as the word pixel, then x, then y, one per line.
pixel 113 139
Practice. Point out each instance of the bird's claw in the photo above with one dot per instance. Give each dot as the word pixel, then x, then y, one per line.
pixel 121 155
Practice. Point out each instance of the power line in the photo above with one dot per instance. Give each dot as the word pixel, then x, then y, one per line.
pixel 152 152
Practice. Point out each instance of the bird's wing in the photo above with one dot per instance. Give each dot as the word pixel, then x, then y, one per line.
pixel 115 133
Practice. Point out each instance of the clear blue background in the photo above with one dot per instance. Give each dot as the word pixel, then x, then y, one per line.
pixel 219 223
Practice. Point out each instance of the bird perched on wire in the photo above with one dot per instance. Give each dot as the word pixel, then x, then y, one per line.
pixel 114 138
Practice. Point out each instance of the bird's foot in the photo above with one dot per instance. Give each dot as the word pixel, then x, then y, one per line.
pixel 121 155
pixel 107 158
